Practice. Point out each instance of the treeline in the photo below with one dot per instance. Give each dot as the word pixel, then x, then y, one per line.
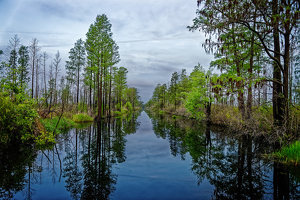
pixel 89 81
pixel 256 49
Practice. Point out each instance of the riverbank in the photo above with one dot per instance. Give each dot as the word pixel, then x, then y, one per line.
pixel 56 122
pixel 24 120
pixel 260 122
pixel 259 125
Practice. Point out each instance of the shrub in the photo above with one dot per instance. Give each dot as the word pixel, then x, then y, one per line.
pixel 17 117
pixel 81 117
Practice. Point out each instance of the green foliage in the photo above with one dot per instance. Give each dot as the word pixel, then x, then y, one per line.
pixel 82 117
pixel 23 72
pixel 119 83
pixel 17 116
pixel 195 104
pixel 290 153
pixel 64 124
pixel 131 96
pixel 82 107
pixel 129 107
pixel 123 112
pixel 45 140
pixel 197 98
pixel 161 112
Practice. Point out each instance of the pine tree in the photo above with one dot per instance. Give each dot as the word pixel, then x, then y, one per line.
pixel 75 64
pixel 23 71
pixel 97 45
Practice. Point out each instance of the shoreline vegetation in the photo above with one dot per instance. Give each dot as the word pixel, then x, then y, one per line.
pixel 202 96
pixel 285 150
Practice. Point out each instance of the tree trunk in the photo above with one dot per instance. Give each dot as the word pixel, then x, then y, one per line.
pixel 78 79
pixel 32 82
pixel 101 89
pixel 37 79
pixel 239 84
pixel 286 60
pixel 109 97
pixel 45 84
pixel 250 71
pixel 278 105
pixel 99 92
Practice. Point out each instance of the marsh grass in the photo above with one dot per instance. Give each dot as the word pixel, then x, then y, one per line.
pixel 289 153
pixel 82 117
pixel 64 125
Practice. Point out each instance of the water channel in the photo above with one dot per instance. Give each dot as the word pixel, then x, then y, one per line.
pixel 146 157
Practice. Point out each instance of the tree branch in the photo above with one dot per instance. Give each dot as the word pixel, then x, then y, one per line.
pixel 246 24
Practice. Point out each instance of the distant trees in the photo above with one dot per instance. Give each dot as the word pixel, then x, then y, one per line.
pixel 192 92
pixel 119 84
pixel 174 88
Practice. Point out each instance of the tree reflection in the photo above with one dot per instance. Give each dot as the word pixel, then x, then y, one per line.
pixel 232 165
pixel 83 157
pixel 72 171
pixel 103 145
pixel 130 123
pixel 15 159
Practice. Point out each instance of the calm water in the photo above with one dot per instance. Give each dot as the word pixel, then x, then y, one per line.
pixel 143 158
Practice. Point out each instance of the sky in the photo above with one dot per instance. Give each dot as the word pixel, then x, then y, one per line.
pixel 151 34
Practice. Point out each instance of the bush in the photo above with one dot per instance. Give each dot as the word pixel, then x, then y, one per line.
pixel 226 115
pixel 81 117
pixel 17 117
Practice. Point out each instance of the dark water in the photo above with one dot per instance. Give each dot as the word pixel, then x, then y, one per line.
pixel 143 158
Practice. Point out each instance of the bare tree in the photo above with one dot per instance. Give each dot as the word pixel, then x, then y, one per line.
pixel 34 49
pixel 37 71
pixel 45 57
pixel 56 63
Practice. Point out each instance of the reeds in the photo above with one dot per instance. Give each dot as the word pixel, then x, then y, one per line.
pixel 290 153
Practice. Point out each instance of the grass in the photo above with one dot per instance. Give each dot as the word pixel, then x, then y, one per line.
pixel 64 124
pixel 82 117
pixel 289 153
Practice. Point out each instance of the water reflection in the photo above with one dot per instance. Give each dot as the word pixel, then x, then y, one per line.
pixel 234 166
pixel 81 161
pixel 15 169
pixel 95 163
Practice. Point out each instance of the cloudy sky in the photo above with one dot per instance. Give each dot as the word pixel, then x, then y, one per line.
pixel 152 35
